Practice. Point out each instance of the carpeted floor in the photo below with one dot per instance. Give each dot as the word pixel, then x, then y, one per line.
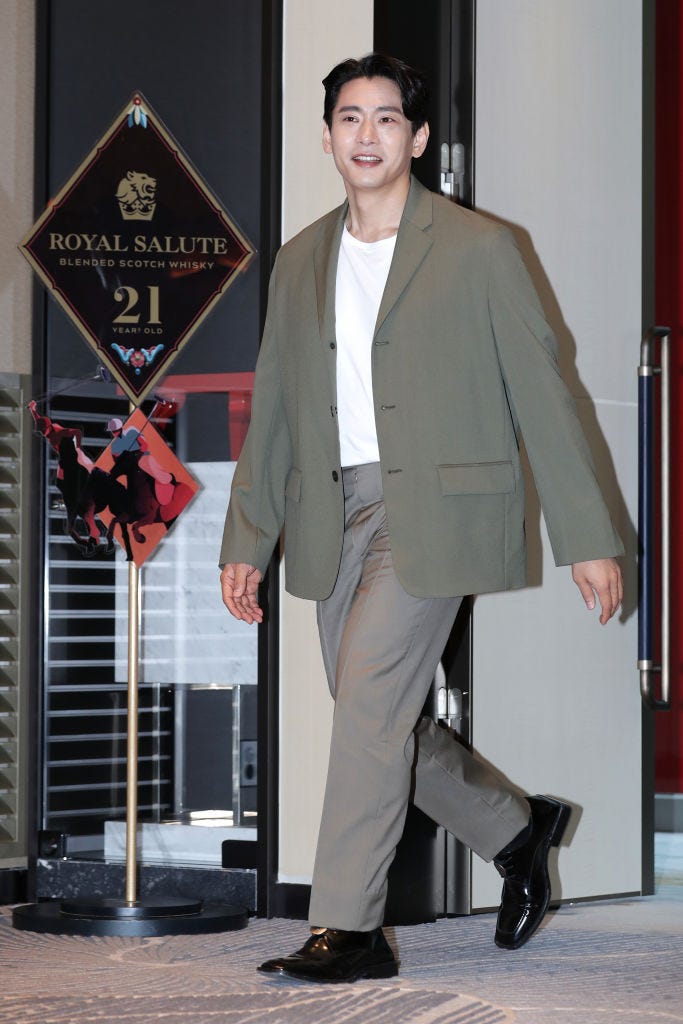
pixel 615 962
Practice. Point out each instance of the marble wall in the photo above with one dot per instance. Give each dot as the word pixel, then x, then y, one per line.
pixel 187 636
pixel 17 66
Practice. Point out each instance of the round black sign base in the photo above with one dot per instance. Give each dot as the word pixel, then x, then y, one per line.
pixel 153 916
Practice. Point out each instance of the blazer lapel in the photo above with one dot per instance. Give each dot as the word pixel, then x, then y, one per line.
pixel 325 259
pixel 413 242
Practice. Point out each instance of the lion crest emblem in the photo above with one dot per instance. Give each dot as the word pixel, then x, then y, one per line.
pixel 136 196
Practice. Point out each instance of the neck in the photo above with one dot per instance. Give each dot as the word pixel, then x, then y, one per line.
pixel 374 215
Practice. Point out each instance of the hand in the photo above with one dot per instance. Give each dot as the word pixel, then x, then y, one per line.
pixel 602 576
pixel 239 584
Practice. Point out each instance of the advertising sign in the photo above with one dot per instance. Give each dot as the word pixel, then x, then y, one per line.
pixel 132 494
pixel 136 249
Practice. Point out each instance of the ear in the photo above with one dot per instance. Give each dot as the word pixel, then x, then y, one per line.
pixel 420 140
pixel 327 139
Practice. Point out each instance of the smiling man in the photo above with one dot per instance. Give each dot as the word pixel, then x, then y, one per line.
pixel 404 355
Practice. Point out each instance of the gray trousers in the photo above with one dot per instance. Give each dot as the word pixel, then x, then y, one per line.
pixel 381 647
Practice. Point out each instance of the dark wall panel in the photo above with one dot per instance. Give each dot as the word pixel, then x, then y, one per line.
pixel 206 69
pixel 438 40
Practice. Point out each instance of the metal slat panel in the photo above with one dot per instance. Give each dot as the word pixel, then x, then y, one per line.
pixel 12 457
pixel 84 701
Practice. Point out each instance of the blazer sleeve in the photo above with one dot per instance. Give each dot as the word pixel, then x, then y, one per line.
pixel 257 499
pixel 576 516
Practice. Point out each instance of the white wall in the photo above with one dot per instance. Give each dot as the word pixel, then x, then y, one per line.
pixel 17 46
pixel 317 36
pixel 558 144
pixel 558 156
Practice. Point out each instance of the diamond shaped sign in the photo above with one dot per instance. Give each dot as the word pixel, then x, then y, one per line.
pixel 136 249
pixel 146 485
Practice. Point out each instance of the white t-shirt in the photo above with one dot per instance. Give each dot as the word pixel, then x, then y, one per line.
pixel 362 273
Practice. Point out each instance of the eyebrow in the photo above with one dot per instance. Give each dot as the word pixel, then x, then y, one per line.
pixel 393 110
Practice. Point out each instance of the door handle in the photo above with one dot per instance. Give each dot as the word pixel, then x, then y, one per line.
pixel 655 338
pixel 452 170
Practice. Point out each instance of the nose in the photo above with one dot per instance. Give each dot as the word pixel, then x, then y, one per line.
pixel 367 132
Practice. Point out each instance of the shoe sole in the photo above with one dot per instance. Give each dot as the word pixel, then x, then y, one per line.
pixel 562 815
pixel 388 970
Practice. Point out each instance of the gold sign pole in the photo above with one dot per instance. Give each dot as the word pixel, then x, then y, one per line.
pixel 150 915
pixel 171 307
pixel 132 736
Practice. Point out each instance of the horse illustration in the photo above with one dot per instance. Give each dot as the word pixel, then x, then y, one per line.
pixel 150 500
pixel 88 491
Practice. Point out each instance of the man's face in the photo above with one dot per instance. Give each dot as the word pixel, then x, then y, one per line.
pixel 371 139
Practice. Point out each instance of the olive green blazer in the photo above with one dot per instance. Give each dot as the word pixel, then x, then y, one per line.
pixel 463 364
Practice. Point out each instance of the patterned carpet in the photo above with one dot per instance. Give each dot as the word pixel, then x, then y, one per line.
pixel 616 962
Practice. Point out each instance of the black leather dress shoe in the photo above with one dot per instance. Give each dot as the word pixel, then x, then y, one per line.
pixel 335 955
pixel 523 863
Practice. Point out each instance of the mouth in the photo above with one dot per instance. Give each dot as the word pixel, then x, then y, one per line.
pixel 366 160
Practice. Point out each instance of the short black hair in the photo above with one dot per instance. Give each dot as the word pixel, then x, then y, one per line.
pixel 411 84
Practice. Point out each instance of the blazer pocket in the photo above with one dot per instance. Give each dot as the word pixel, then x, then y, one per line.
pixel 293 484
pixel 477 478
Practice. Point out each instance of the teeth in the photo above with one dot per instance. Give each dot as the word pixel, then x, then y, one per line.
pixel 367 159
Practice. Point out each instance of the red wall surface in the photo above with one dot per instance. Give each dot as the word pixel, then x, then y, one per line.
pixel 669 311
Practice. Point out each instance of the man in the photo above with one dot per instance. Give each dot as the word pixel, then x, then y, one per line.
pixel 55 434
pixel 404 352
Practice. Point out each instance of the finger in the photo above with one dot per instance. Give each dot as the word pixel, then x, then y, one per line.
pixel 586 593
pixel 233 606
pixel 254 614
pixel 249 616
pixel 244 611
pixel 240 580
pixel 236 610
pixel 616 587
pixel 250 599
pixel 249 604
pixel 615 591
pixel 608 604
pixel 247 599
pixel 227 586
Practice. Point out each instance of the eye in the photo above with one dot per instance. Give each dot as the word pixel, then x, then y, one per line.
pixel 386 119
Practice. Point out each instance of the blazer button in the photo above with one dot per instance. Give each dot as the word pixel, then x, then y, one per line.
pixel 333 344
pixel 335 475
